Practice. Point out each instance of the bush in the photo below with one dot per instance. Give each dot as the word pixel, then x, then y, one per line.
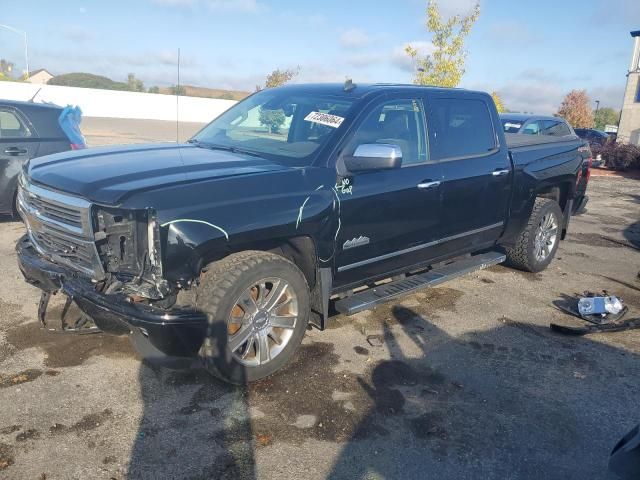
pixel 618 156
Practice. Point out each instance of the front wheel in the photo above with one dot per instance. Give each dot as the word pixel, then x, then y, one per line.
pixel 257 304
pixel 538 242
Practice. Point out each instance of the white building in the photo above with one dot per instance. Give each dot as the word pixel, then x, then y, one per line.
pixel 41 76
pixel 629 130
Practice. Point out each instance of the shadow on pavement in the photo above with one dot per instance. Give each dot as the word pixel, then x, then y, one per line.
pixel 514 401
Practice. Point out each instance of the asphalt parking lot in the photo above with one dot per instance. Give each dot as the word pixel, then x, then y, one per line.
pixel 468 383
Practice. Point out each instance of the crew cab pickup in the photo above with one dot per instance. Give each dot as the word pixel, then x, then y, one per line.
pixel 227 247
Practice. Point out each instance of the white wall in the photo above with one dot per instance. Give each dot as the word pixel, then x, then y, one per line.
pixel 111 103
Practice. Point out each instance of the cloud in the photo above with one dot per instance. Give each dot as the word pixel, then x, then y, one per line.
pixel 313 19
pixel 355 38
pixel 449 8
pixel 401 60
pixel 175 3
pixel 542 96
pixel 235 6
pixel 622 12
pixel 216 6
pixel 76 33
pixel 609 96
pixel 362 60
pixel 511 33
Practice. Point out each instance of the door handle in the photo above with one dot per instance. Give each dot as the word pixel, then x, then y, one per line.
pixel 500 172
pixel 428 184
pixel 15 151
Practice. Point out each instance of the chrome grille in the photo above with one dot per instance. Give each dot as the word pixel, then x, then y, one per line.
pixel 70 216
pixel 59 226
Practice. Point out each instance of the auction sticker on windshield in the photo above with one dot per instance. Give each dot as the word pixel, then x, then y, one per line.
pixel 333 121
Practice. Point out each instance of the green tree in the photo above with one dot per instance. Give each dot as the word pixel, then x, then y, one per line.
pixel 177 90
pixel 576 110
pixel 6 68
pixel 606 116
pixel 445 66
pixel 498 101
pixel 154 89
pixel 134 84
pixel 272 119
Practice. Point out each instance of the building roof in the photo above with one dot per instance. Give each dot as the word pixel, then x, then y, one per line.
pixel 35 72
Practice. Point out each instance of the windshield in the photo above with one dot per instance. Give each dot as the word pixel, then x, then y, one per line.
pixel 511 126
pixel 279 125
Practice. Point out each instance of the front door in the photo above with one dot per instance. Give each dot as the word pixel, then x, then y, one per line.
pixel 388 218
pixel 18 143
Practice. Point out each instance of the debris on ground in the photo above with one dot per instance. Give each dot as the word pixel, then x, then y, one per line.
pixel 596 309
pixel 603 311
pixel 374 340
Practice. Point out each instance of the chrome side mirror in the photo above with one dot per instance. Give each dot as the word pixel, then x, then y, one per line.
pixel 374 156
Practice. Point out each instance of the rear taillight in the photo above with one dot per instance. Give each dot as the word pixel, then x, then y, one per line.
pixel 588 174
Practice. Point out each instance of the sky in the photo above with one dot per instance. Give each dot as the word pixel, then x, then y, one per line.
pixel 531 53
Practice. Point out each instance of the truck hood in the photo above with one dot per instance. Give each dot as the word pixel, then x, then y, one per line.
pixel 106 175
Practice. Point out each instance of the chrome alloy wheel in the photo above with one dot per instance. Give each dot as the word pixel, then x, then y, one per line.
pixel 546 237
pixel 262 321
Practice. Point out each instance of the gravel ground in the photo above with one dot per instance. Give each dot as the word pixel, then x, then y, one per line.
pixel 113 131
pixel 468 383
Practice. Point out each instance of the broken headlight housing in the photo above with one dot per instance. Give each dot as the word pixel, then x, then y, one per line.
pixel 128 244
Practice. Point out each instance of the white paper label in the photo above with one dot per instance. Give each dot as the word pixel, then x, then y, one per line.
pixel 332 121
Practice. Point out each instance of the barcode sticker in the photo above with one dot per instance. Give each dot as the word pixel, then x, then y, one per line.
pixel 333 121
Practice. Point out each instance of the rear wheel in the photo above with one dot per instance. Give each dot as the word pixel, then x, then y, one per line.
pixel 257 304
pixel 538 242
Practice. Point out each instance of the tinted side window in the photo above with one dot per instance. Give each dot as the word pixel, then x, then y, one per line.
pixel 532 128
pixel 11 126
pixel 396 122
pixel 555 128
pixel 460 128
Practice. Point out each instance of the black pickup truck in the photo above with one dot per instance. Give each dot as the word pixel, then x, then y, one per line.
pixel 226 248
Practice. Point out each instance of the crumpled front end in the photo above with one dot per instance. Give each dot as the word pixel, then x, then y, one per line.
pixel 108 260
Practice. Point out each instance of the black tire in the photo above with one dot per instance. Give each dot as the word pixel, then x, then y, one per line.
pixel 221 285
pixel 522 255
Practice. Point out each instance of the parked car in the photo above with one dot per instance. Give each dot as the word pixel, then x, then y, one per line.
pixel 526 124
pixel 535 124
pixel 593 136
pixel 29 130
pixel 226 248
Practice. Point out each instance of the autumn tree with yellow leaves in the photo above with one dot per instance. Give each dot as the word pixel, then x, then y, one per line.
pixel 498 101
pixel 445 66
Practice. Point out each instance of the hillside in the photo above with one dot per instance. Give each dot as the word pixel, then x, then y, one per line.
pixel 87 80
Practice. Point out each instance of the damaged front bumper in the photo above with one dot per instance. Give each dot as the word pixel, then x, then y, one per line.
pixel 156 333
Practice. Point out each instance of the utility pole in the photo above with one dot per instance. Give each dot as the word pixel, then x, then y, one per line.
pixel 26 48
pixel 597 105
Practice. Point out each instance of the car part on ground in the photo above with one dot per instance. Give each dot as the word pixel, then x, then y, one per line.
pixel 599 322
pixel 602 306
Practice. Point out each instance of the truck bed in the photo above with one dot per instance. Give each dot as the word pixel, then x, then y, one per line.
pixel 516 140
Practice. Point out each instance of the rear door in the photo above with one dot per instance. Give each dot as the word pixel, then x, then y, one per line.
pixel 476 170
pixel 388 218
pixel 18 143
